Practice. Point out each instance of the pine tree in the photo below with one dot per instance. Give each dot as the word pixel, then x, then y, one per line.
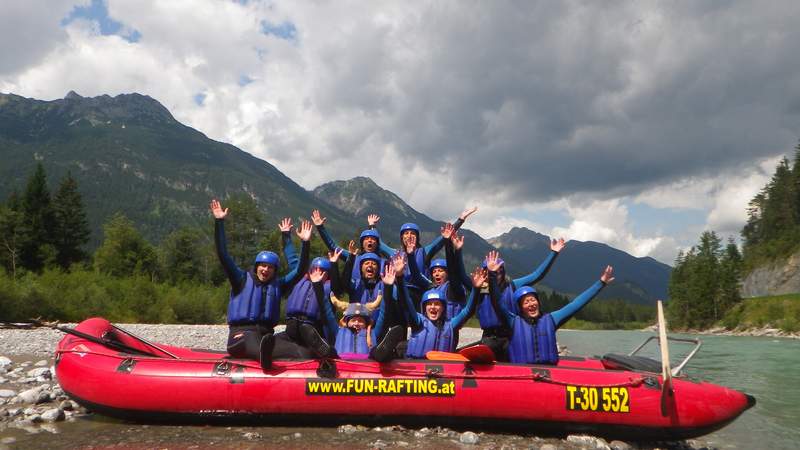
pixel 37 211
pixel 124 251
pixel 11 230
pixel 182 255
pixel 71 228
pixel 244 228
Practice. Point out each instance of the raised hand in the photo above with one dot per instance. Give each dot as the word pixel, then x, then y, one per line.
pixel 334 255
pixel 304 232
pixel 399 262
pixel 467 212
pixel 558 245
pixel 479 277
pixel 608 275
pixel 216 209
pixel 447 230
pixel 457 240
pixel 317 218
pixel 286 225
pixel 316 275
pixel 373 220
pixel 388 274
pixel 353 248
pixel 493 261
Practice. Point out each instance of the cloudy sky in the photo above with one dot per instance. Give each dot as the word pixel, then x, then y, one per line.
pixel 634 123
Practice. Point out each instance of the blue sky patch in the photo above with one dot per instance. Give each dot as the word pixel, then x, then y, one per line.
pixel 98 12
pixel 200 98
pixel 285 30
pixel 244 80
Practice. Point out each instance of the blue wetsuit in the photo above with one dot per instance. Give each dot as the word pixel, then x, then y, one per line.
pixel 427 335
pixel 258 313
pixel 345 339
pixel 533 340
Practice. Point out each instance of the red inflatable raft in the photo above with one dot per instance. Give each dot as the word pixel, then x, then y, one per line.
pixel 115 373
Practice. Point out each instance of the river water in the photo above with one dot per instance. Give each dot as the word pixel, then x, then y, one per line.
pixel 768 368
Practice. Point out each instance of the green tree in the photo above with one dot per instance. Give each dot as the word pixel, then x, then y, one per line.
pixel 37 217
pixel 10 238
pixel 183 256
pixel 124 252
pixel 71 228
pixel 730 276
pixel 244 228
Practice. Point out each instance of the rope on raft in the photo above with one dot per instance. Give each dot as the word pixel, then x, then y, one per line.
pixel 312 365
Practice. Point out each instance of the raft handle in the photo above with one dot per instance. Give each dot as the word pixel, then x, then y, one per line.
pixel 677 369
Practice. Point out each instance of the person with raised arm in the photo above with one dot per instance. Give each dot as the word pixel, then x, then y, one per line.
pixel 533 333
pixel 368 242
pixel 431 330
pixel 422 255
pixel 254 306
pixel 359 335
pixel 495 332
pixel 444 275
pixel 302 308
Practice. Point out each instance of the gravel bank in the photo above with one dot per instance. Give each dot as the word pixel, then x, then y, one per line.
pixel 42 341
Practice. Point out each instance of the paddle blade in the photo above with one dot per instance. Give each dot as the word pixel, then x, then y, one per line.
pixel 666 371
pixel 444 356
pixel 478 353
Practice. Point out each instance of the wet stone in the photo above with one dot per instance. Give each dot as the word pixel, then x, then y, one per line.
pixel 41 363
pixel 29 411
pixel 548 447
pixel 53 415
pixel 7 393
pixel 8 440
pixel 379 444
pixel 401 443
pixel 588 442
pixel 619 445
pixel 35 418
pixel 25 364
pixel 67 405
pixel 469 438
pixel 30 395
pixel 3 380
pixel 252 436
pixel 298 435
pixel 347 429
pixel 5 362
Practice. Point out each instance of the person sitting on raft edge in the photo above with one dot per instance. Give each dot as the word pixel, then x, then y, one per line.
pixel 357 336
pixel 533 334
pixel 254 306
pixel 431 330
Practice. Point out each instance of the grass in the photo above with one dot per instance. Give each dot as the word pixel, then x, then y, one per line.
pixel 779 311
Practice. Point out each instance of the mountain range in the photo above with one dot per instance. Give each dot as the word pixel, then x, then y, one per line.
pixel 129 154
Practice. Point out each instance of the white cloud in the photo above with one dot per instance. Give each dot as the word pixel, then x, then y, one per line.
pixel 607 221
pixel 451 104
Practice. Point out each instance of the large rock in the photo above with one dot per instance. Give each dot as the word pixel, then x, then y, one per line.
pixel 53 415
pixel 31 395
pixel 780 277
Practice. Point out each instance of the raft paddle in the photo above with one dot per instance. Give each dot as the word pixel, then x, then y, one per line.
pixel 445 356
pixel 478 353
pixel 666 372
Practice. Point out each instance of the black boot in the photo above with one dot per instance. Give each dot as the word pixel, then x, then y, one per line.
pixel 315 342
pixel 265 355
pixel 384 351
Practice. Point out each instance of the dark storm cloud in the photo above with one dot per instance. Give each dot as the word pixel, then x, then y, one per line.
pixel 550 99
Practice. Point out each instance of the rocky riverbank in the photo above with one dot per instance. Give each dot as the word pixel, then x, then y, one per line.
pixel 32 404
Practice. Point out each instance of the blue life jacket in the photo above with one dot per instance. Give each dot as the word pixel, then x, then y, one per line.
pixel 347 341
pixel 452 307
pixel 430 337
pixel 256 303
pixel 533 343
pixel 302 300
pixel 364 295
pixel 486 315
pixel 419 258
pixel 356 272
